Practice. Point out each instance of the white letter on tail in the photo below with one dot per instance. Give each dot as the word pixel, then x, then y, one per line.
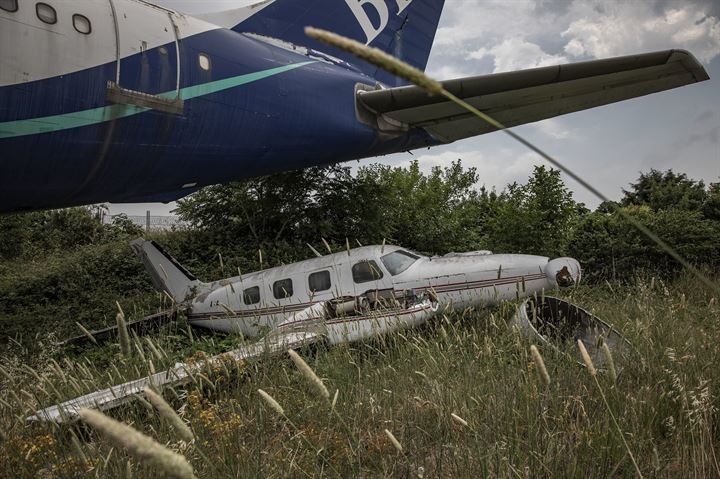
pixel 402 5
pixel 382 10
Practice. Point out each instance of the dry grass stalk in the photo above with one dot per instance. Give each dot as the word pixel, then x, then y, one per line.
pixel 540 365
pixel 309 374
pixel 274 405
pixel 586 358
pixel 168 414
pixel 394 441
pixel 377 57
pixel 139 445
pixel 123 336
pixel 75 442
pixel 155 351
pixel 334 401
pixel 327 245
pixel 610 362
pixel 86 333
pixel 458 419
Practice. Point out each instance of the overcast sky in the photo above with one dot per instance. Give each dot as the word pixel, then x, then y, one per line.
pixel 610 145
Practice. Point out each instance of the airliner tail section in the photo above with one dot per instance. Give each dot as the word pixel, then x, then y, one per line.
pixel 403 28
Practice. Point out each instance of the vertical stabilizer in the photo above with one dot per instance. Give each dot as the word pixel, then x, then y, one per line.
pixel 166 273
pixel 403 28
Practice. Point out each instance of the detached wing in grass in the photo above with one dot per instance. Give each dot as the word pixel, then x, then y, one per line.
pixel 179 374
pixel 525 96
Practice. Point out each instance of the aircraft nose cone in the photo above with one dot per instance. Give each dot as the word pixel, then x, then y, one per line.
pixel 563 272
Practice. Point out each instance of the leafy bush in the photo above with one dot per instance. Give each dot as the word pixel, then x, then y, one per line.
pixel 609 247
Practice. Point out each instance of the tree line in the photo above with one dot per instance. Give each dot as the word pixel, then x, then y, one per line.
pixel 437 212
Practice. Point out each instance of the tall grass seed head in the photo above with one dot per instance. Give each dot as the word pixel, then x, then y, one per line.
pixel 139 445
pixel 167 413
pixel 540 365
pixel 309 374
pixel 394 441
pixel 586 358
pixel 377 57
pixel 274 405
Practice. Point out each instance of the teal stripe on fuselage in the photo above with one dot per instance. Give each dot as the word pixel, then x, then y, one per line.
pixel 47 124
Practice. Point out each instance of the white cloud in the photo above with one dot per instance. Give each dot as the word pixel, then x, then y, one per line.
pixel 517 54
pixel 527 33
pixel 604 29
pixel 556 129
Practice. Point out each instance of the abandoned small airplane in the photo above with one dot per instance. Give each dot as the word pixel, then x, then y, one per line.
pixel 339 297
pixel 126 101
pixel 355 281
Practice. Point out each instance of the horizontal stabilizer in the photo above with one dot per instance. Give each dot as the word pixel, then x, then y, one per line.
pixel 516 98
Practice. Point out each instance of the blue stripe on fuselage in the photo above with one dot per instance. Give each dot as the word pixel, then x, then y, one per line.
pixel 299 118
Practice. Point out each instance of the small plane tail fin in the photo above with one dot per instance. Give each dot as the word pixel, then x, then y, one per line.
pixel 403 28
pixel 166 273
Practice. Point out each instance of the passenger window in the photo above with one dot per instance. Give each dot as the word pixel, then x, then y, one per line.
pixel 365 271
pixel 9 5
pixel 319 281
pixel 283 289
pixel 46 13
pixel 251 295
pixel 204 61
pixel 82 24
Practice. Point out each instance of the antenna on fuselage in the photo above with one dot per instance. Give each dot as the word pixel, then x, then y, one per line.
pixel 314 250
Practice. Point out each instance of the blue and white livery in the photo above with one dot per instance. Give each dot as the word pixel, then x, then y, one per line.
pixel 125 101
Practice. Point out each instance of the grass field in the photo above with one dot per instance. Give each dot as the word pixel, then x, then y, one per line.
pixel 507 422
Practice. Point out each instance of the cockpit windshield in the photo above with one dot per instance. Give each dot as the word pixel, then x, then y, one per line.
pixel 398 261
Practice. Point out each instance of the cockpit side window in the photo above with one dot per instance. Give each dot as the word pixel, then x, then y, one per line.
pixel 398 261
pixel 366 270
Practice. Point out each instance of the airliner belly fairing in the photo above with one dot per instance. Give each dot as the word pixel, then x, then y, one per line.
pixel 140 103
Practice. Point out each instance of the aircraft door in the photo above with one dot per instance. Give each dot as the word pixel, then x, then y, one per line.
pixel 148 57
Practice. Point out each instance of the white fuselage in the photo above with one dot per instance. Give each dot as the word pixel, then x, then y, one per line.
pixel 257 302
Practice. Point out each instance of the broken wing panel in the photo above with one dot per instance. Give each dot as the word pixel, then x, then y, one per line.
pixel 525 96
pixel 178 375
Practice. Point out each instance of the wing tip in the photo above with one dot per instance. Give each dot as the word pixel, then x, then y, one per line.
pixel 689 61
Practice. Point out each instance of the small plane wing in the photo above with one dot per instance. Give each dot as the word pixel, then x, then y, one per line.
pixel 516 98
pixel 177 375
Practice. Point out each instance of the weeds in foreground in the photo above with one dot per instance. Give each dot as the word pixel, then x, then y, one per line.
pixel 463 396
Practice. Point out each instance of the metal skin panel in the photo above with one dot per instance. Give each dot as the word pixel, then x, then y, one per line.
pixel 31 50
pixel 146 69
